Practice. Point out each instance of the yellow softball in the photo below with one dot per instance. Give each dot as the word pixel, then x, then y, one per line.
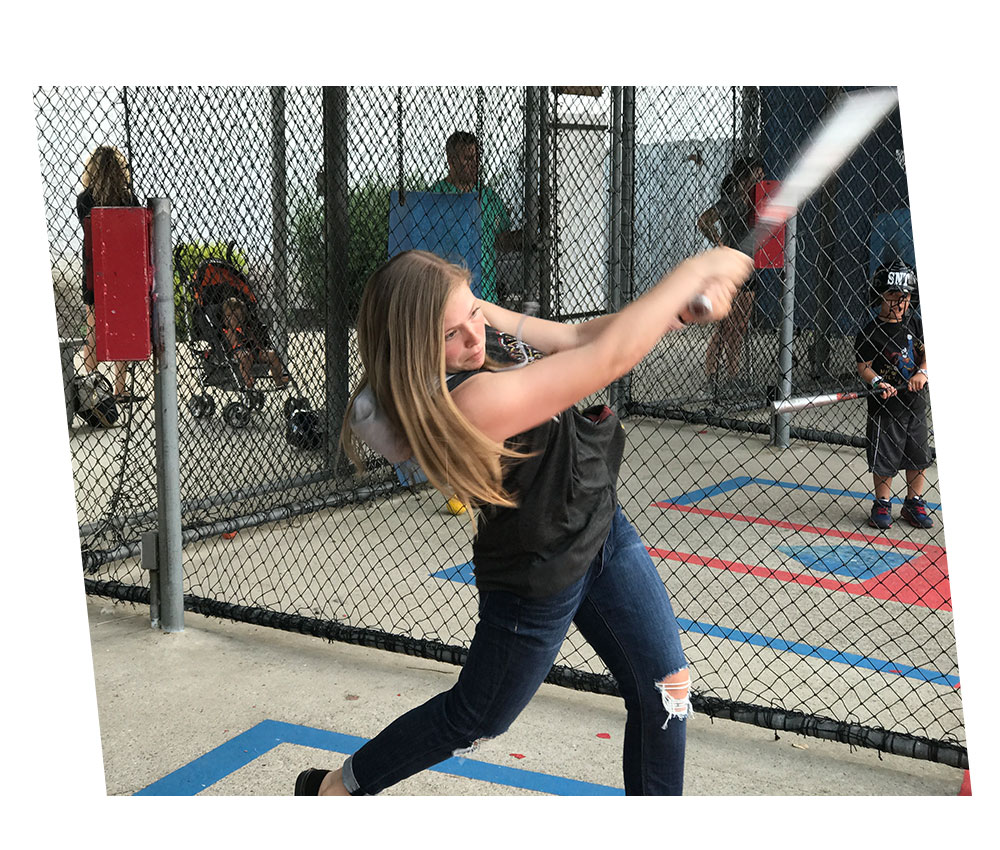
pixel 455 506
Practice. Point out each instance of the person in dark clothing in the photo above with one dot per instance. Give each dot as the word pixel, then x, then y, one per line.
pixel 728 222
pixel 890 352
pixel 458 384
pixel 106 182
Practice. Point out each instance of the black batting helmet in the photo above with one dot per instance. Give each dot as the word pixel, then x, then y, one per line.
pixel 895 277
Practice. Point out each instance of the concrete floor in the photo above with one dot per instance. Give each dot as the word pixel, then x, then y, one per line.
pixel 165 700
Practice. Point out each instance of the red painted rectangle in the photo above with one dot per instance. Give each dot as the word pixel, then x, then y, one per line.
pixel 771 254
pixel 922 581
pixel 122 276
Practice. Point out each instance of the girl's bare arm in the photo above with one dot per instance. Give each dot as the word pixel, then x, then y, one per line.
pixel 581 362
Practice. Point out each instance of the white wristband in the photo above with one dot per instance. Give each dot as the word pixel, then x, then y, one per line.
pixel 876 381
pixel 923 372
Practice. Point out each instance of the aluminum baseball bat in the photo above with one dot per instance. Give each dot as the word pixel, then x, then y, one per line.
pixel 791 405
pixel 854 117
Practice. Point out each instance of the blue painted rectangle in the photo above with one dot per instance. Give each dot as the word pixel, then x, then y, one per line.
pixel 229 757
pixel 806 650
pixel 848 559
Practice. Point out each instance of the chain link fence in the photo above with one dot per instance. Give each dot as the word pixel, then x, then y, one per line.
pixel 569 201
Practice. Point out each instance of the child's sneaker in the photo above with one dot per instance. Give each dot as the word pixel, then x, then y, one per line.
pixel 915 513
pixel 881 514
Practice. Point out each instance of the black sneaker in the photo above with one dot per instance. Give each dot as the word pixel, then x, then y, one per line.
pixel 915 513
pixel 308 782
pixel 881 516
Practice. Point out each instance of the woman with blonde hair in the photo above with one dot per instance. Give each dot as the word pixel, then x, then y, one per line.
pixel 107 182
pixel 460 385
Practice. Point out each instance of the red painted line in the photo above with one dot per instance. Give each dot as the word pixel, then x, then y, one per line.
pixel 794 526
pixel 922 581
pixel 966 789
pixel 904 584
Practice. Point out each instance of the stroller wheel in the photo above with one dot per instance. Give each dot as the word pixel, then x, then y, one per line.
pixel 237 415
pixel 202 406
pixel 293 404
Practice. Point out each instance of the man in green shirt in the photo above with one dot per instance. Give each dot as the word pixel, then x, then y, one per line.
pixel 462 153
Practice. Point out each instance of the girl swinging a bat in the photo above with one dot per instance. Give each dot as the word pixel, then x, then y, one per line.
pixel 460 385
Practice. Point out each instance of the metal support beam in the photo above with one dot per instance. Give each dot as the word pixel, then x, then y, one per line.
pixel 279 218
pixel 614 271
pixel 339 302
pixel 781 422
pixel 545 206
pixel 533 244
pixel 170 566
pixel 627 250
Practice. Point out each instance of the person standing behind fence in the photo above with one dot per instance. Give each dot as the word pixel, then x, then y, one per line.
pixel 890 351
pixel 106 182
pixel 552 546
pixel 462 155
pixel 728 222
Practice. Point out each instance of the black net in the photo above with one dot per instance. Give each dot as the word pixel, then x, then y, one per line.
pixel 569 202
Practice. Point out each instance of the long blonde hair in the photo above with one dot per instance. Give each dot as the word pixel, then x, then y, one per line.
pixel 401 343
pixel 107 175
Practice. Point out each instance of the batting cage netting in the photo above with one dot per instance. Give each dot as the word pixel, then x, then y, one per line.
pixel 796 613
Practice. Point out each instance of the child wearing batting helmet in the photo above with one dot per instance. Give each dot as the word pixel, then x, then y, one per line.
pixel 890 355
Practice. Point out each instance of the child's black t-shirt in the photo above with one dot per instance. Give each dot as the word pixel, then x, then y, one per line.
pixel 896 351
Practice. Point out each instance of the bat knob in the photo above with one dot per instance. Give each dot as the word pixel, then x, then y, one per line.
pixel 700 306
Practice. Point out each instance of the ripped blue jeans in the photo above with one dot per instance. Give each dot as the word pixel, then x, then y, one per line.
pixel 622 609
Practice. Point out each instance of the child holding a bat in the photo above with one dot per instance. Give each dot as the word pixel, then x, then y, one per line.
pixel 499 429
pixel 890 353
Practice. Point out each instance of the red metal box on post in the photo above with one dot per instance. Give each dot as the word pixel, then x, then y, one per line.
pixel 771 253
pixel 122 276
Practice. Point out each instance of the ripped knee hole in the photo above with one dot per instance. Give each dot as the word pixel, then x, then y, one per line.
pixel 675 691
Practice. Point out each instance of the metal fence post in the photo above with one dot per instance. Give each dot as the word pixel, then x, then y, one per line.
pixel 279 215
pixel 781 422
pixel 532 233
pixel 545 201
pixel 614 278
pixel 336 233
pixel 171 571
pixel 627 256
pixel 822 348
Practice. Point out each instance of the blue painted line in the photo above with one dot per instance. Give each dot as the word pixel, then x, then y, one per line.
pixel 461 573
pixel 851 659
pixel 736 483
pixel 707 492
pixel 829 491
pixel 245 747
pixel 216 764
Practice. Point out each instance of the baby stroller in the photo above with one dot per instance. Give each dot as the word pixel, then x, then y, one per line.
pixel 222 348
